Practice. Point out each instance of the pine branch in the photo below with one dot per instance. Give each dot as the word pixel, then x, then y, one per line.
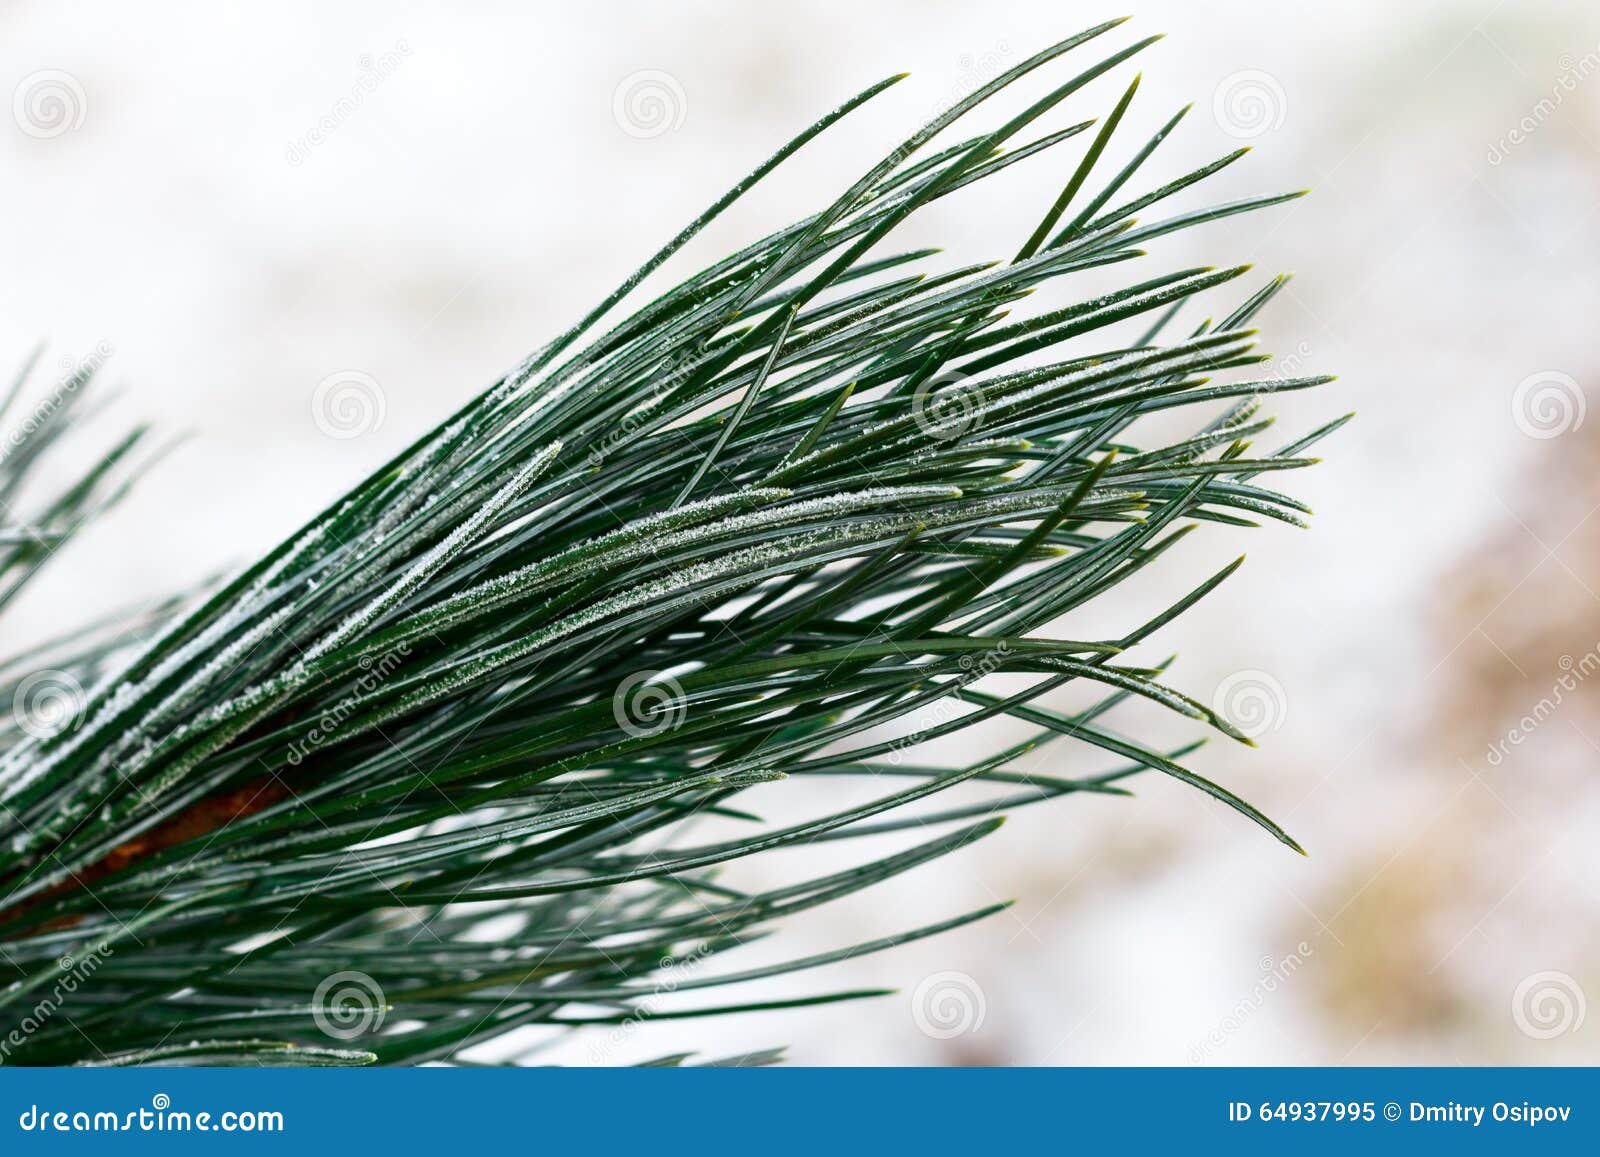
pixel 458 732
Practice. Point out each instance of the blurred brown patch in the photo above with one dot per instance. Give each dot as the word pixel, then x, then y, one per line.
pixel 1428 918
pixel 1386 978
pixel 1522 608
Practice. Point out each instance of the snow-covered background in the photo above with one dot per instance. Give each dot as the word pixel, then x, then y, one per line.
pixel 244 201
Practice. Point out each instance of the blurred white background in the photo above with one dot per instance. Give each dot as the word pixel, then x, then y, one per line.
pixel 244 200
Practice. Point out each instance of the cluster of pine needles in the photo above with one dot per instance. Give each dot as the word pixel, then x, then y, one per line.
pixel 449 737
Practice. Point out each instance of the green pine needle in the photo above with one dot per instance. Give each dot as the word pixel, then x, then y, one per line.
pixel 435 768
